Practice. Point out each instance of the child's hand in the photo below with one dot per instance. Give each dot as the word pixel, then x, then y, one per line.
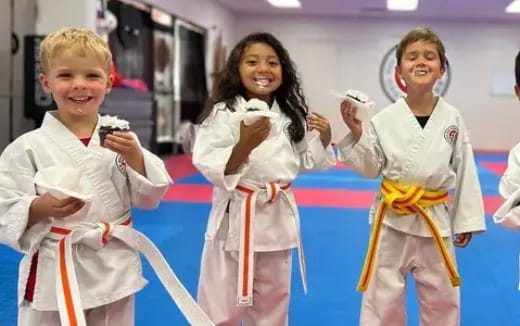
pixel 125 144
pixel 253 135
pixel 348 112
pixel 48 206
pixel 463 239
pixel 318 122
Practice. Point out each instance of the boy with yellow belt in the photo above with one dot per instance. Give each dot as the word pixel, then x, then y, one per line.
pixel 421 147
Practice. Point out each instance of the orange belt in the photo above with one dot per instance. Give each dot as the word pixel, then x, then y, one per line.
pixel 246 252
pixel 95 236
pixel 61 231
pixel 407 200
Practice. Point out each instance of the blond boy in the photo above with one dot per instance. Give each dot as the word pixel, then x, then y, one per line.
pixel 41 169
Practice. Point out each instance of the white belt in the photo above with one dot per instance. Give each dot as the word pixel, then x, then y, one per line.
pixel 246 252
pixel 95 236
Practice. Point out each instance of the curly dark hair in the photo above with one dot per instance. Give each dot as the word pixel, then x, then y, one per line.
pixel 289 95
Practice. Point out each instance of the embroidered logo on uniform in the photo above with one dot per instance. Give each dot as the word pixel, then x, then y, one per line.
pixel 451 134
pixel 286 130
pixel 121 164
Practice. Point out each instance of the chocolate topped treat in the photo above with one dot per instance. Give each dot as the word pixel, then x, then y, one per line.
pixel 356 95
pixel 109 124
pixel 364 106
pixel 253 109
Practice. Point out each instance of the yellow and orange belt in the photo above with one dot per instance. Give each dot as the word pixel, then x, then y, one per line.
pixel 405 200
pixel 246 250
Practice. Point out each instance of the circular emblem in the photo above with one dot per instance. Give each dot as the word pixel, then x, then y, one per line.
pixel 286 129
pixel 121 164
pixel 394 87
pixel 451 133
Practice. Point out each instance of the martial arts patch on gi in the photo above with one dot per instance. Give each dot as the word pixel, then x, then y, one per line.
pixel 286 129
pixel 121 164
pixel 450 134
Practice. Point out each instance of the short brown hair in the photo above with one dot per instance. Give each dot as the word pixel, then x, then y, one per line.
pixel 421 34
pixel 81 40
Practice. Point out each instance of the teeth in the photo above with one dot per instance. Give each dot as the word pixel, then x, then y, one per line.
pixel 262 82
pixel 420 72
pixel 80 98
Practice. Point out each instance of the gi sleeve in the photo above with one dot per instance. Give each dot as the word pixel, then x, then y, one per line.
pixel 213 146
pixel 508 214
pixel 467 210
pixel 147 191
pixel 17 191
pixel 364 157
pixel 313 156
pixel 510 181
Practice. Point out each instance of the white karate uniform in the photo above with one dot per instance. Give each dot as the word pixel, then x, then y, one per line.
pixel 508 214
pixel 104 276
pixel 438 157
pixel 275 224
pixel 510 181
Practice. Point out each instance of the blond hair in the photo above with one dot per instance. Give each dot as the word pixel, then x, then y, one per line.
pixel 81 41
pixel 421 34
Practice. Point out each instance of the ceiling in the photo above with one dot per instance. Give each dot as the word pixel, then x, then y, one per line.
pixel 463 10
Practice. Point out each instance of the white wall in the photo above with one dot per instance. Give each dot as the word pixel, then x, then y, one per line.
pixel 52 15
pixel 333 53
pixel 346 53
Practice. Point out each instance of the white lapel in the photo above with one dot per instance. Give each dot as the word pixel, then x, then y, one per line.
pixel 428 139
pixel 91 160
pixel 406 136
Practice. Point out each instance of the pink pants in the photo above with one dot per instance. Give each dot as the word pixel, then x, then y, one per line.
pixel 217 294
pixel 399 253
pixel 119 313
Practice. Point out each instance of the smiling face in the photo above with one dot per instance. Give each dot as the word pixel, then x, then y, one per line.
pixel 78 83
pixel 420 65
pixel 260 71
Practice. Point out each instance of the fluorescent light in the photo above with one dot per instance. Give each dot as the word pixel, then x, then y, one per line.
pixel 404 5
pixel 285 3
pixel 513 7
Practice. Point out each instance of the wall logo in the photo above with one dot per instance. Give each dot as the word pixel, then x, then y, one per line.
pixel 394 87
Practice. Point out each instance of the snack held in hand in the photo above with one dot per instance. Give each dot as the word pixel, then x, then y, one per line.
pixel 109 124
pixel 363 104
pixel 256 109
pixel 251 112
